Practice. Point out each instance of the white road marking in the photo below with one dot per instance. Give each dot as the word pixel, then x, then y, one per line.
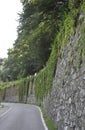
pixel 5 112
pixel 43 121
pixel 42 118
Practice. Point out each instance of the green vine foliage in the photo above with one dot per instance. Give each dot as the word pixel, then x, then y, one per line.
pixel 82 24
pixel 44 78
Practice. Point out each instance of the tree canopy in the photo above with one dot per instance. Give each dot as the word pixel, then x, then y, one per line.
pixel 39 23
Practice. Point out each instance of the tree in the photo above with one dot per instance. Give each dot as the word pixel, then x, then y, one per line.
pixel 39 23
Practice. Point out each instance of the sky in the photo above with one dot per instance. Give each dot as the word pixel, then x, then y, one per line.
pixel 8 24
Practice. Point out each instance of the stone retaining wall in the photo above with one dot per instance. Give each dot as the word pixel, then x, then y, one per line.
pixel 66 103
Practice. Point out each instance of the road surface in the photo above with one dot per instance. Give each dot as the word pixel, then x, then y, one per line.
pixel 21 117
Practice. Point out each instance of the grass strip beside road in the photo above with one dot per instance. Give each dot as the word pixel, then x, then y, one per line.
pixel 48 121
pixel 1 106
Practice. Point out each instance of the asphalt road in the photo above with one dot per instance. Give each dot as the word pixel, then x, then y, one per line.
pixel 21 117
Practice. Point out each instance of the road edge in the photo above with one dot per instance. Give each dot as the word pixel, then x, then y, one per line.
pixel 42 118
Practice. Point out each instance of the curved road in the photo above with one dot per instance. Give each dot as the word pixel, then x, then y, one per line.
pixel 21 117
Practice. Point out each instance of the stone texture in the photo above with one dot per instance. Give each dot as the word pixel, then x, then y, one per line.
pixel 12 94
pixel 66 103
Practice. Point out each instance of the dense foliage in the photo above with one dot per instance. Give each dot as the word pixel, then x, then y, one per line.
pixel 44 79
pixel 39 23
pixel 45 28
